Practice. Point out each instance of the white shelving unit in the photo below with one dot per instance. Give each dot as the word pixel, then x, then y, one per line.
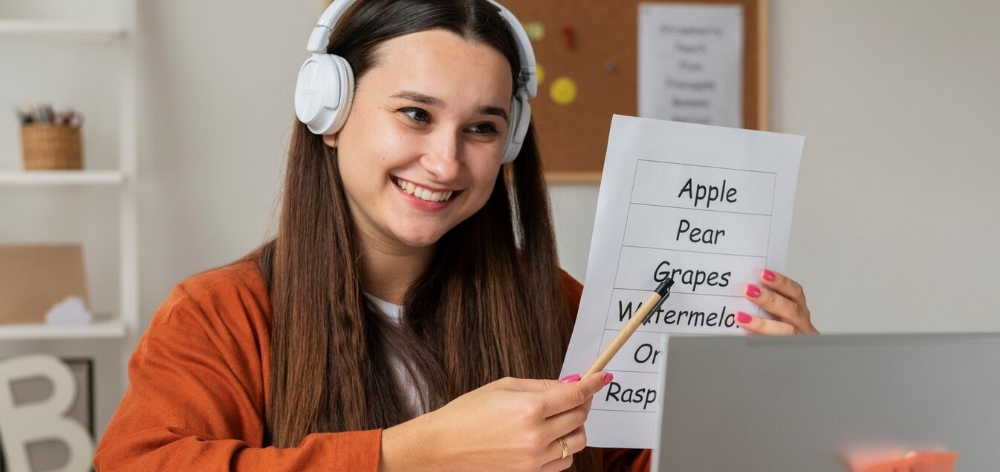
pixel 95 331
pixel 118 331
pixel 124 177
pixel 70 29
pixel 62 177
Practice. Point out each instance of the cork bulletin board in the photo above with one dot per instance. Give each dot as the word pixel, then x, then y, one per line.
pixel 594 43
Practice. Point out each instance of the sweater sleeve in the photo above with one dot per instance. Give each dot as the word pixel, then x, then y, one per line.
pixel 197 394
pixel 613 460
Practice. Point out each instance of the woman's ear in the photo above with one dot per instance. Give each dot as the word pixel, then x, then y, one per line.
pixel 330 139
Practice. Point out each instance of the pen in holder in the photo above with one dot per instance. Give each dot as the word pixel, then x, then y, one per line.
pixel 51 140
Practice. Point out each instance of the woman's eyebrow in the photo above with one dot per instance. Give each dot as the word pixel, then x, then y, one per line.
pixel 420 98
pixel 496 111
pixel 438 103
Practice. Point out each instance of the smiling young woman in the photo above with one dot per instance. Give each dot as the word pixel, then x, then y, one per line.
pixel 411 305
pixel 410 308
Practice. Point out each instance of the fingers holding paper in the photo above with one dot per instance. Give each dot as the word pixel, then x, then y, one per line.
pixel 782 297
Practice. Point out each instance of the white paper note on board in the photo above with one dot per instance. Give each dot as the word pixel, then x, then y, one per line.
pixel 691 63
pixel 709 206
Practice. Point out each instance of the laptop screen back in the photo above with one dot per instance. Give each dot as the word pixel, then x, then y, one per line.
pixel 809 403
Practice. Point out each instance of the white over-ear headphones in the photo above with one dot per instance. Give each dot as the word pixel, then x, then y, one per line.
pixel 325 86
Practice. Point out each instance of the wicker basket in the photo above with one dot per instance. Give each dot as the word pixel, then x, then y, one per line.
pixel 50 147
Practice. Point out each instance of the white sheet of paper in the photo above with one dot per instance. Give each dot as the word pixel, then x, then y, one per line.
pixel 691 63
pixel 711 207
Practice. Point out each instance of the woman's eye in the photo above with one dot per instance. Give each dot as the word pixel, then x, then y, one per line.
pixel 416 114
pixel 484 128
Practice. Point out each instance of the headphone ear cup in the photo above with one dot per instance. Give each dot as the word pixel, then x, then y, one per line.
pixel 520 119
pixel 324 92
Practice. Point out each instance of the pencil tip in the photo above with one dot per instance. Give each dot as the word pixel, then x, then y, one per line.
pixel 664 288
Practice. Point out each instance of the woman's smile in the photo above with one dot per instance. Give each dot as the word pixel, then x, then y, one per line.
pixel 423 193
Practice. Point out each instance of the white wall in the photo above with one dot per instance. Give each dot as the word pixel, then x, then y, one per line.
pixel 218 107
pixel 896 222
pixel 894 227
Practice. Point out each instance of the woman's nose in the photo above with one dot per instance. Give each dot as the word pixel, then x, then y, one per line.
pixel 442 157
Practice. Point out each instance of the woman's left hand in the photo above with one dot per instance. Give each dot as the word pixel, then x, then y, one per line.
pixel 783 298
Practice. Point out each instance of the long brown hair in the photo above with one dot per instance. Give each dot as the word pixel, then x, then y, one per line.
pixel 486 308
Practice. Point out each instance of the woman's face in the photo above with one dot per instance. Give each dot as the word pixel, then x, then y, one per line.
pixel 421 148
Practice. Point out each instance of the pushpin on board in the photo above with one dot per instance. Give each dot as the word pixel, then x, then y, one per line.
pixel 563 90
pixel 569 37
pixel 535 30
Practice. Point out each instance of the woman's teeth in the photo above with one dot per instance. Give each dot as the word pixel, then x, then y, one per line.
pixel 423 193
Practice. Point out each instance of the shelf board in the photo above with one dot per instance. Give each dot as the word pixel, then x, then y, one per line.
pixel 61 177
pixel 41 28
pixel 34 332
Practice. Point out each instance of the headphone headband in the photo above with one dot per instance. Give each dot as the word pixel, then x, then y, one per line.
pixel 320 37
pixel 528 77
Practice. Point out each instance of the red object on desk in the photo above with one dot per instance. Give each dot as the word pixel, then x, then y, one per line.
pixel 916 461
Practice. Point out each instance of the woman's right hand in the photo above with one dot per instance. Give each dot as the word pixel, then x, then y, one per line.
pixel 507 425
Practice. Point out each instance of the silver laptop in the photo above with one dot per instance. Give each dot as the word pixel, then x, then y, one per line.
pixel 809 403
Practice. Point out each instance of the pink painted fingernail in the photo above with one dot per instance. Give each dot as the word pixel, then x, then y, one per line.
pixel 768 275
pixel 752 291
pixel 570 378
pixel 743 318
pixel 608 377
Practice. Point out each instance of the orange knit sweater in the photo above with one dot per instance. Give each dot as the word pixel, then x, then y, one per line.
pixel 199 386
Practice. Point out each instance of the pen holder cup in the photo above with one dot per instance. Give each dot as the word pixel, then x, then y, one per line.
pixel 51 147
